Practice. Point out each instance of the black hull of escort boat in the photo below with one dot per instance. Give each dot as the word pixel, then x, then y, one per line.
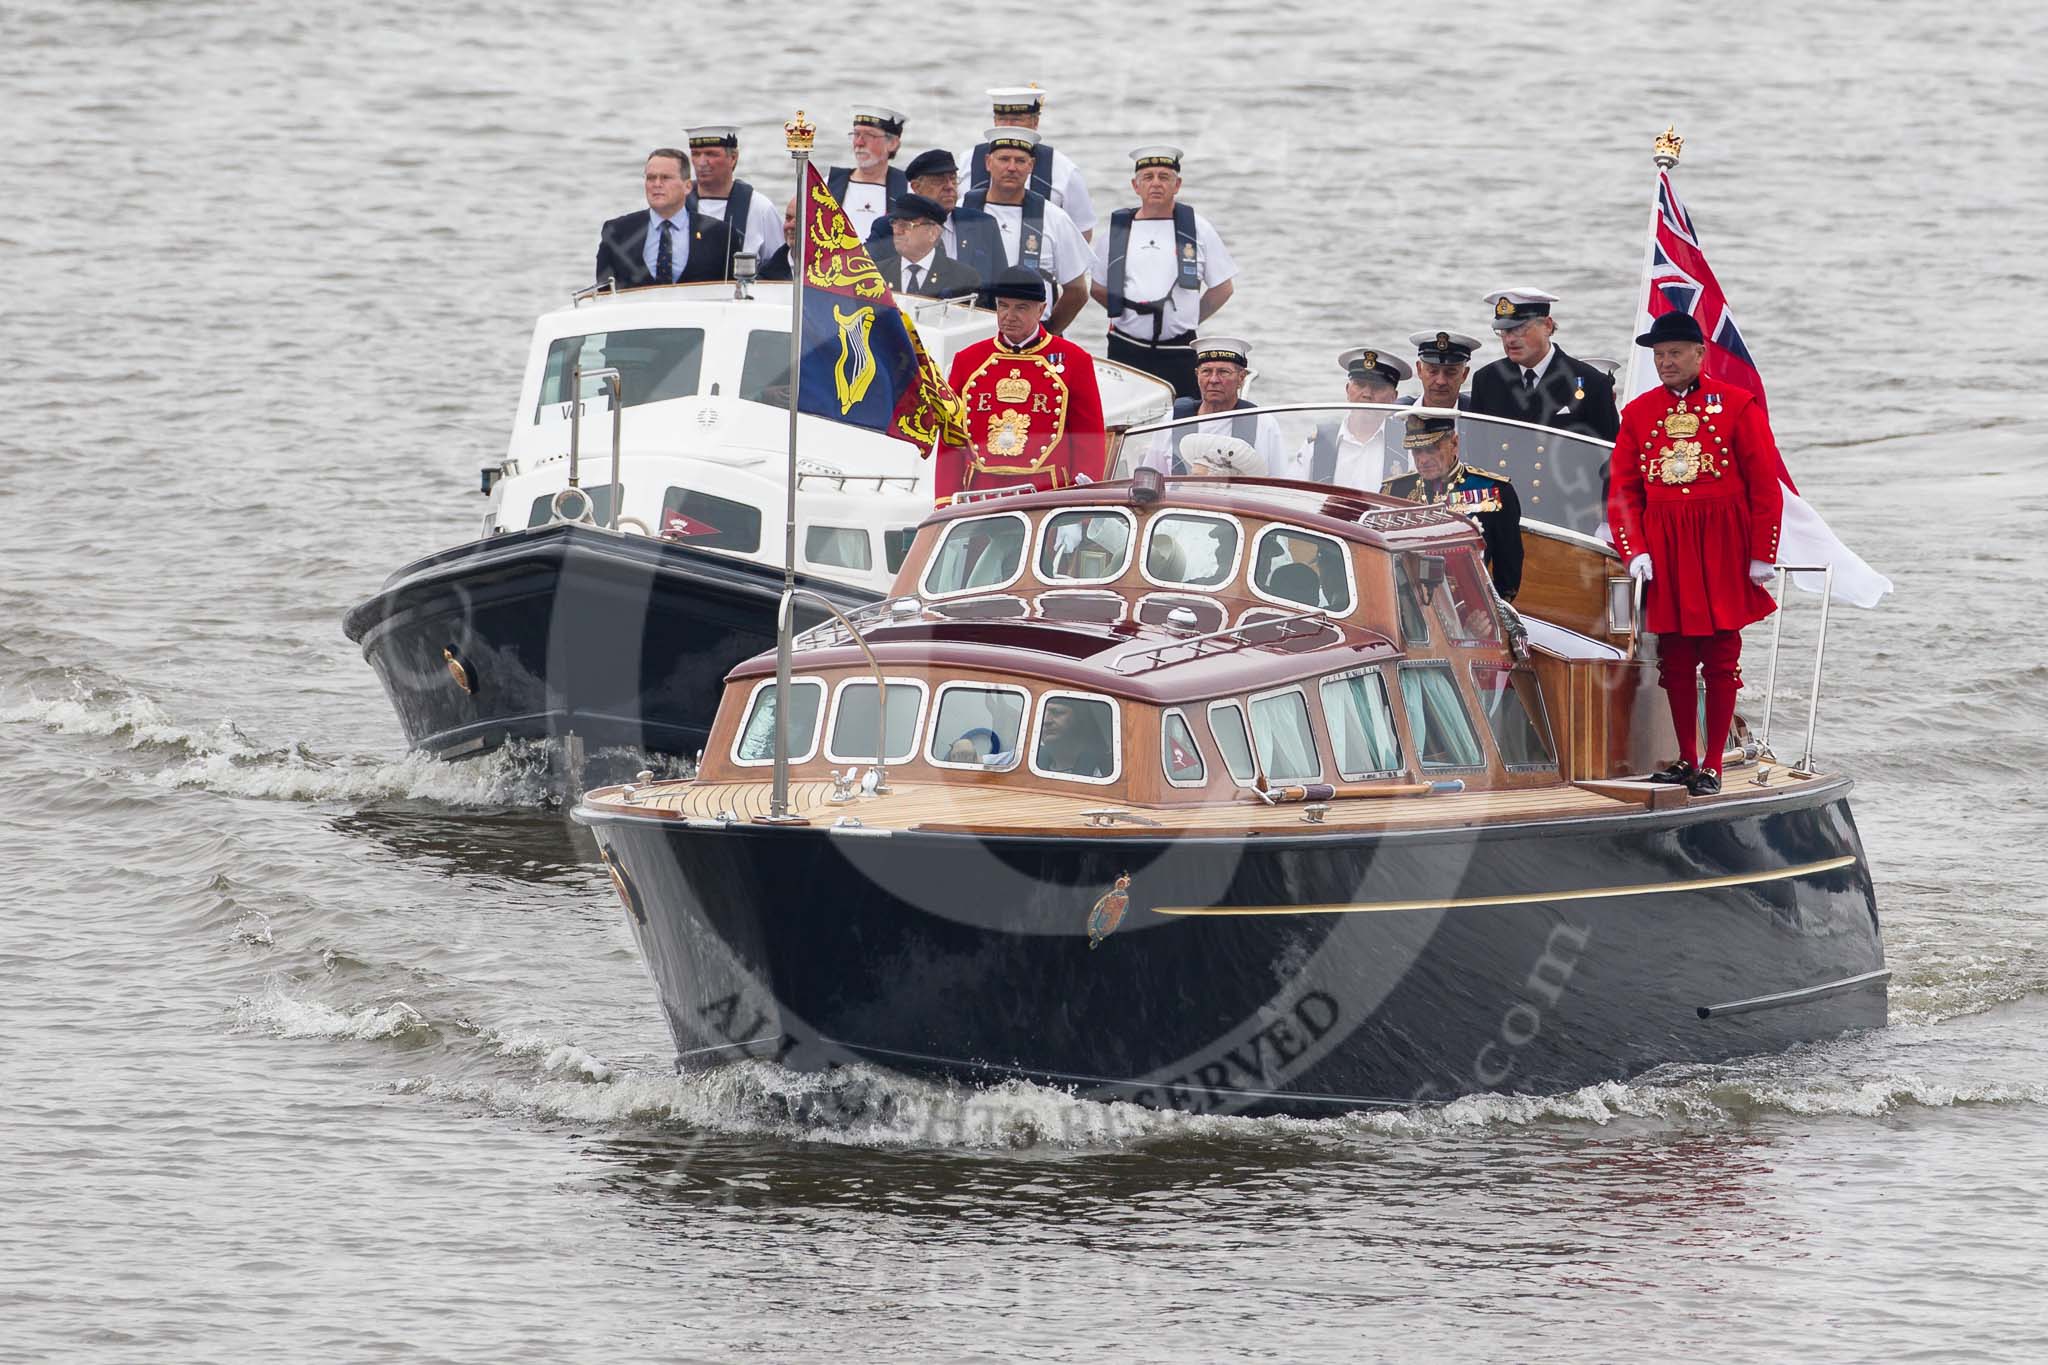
pixel 621 641
pixel 1570 953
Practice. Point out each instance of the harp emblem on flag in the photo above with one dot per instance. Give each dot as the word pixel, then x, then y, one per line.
pixel 856 368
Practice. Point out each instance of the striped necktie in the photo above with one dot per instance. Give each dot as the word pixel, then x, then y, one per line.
pixel 665 258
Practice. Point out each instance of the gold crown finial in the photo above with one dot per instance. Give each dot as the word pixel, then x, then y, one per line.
pixel 799 133
pixel 1669 145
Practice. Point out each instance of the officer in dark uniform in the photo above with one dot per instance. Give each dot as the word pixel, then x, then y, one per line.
pixel 1536 381
pixel 1439 479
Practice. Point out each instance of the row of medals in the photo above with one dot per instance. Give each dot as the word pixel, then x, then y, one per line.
pixel 1681 461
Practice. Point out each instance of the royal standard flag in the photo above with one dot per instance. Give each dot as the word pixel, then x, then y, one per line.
pixel 862 361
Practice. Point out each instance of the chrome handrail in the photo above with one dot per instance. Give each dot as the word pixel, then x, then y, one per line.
pixel 608 376
pixel 608 285
pixel 1820 649
pixel 782 623
pixel 1237 634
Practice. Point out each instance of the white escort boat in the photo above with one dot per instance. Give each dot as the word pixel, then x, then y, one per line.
pixel 629 553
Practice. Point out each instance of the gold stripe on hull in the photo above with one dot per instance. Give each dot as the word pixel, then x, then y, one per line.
pixel 1539 898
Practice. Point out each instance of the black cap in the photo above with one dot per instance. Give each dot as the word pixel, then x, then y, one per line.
pixel 1443 348
pixel 1427 431
pixel 937 161
pixel 1018 283
pixel 910 207
pixel 1671 327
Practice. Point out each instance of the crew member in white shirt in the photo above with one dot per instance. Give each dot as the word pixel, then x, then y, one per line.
pixel 1162 271
pixel 1222 365
pixel 1037 233
pixel 751 217
pixel 1353 453
pixel 1053 172
pixel 867 188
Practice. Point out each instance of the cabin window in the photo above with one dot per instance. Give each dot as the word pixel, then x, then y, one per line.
pixel 1178 752
pixel 1361 721
pixel 1183 549
pixel 851 736
pixel 977 726
pixel 1233 741
pixel 1286 742
pixel 896 546
pixel 600 505
pixel 979 554
pixel 841 547
pixel 1302 570
pixel 999 608
pixel 1409 601
pixel 706 521
pixel 1513 704
pixel 1437 719
pixel 1069 604
pixel 755 744
pixel 654 363
pixel 1078 738
pixel 1086 545
pixel 1467 598
pixel 764 374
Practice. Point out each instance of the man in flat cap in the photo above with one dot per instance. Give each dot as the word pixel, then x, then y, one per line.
pixel 918 264
pixel 1161 270
pixel 1222 364
pixel 750 218
pixel 1037 234
pixel 1353 453
pixel 1053 172
pixel 867 188
pixel 1535 381
pixel 1034 412
pixel 1439 479
pixel 663 243
pixel 1695 505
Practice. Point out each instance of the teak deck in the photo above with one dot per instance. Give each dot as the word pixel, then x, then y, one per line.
pixel 937 808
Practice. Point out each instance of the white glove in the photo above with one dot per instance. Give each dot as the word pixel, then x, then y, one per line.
pixel 1761 573
pixel 1080 479
pixel 1639 569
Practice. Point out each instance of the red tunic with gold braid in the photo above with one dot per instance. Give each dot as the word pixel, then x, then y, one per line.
pixel 1034 416
pixel 1694 484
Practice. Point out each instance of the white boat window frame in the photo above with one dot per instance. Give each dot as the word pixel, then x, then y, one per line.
pixel 924 584
pixel 1166 769
pixel 1288 528
pixel 1116 737
pixel 1244 725
pixel 969 685
pixel 1045 532
pixel 1189 514
pixel 924 697
pixel 747 713
pixel 1308 709
pixel 1393 722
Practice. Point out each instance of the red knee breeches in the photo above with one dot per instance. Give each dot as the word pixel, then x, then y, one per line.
pixel 1681 661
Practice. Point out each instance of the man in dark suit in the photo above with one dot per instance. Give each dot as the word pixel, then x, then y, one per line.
pixel 1536 381
pixel 918 264
pixel 969 236
pixel 666 243
pixel 776 267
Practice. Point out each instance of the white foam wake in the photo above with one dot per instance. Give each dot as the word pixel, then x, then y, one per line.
pixel 286 1016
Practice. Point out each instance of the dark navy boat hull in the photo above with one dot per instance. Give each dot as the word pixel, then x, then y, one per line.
pixel 622 641
pixel 1568 952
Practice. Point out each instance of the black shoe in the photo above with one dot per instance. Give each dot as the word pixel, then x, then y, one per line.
pixel 1679 774
pixel 1705 782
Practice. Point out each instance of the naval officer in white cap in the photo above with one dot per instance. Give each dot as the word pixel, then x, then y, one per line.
pixel 1222 364
pixel 867 188
pixel 715 157
pixel 1535 381
pixel 1053 172
pixel 1355 452
pixel 1037 234
pixel 1162 271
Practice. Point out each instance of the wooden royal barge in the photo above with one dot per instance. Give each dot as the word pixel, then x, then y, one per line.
pixel 1243 796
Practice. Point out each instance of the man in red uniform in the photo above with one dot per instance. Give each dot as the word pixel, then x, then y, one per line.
pixel 1034 413
pixel 1694 501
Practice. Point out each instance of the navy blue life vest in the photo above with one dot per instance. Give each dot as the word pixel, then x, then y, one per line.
pixel 1031 234
pixel 738 205
pixel 1245 429
pixel 839 177
pixel 1184 252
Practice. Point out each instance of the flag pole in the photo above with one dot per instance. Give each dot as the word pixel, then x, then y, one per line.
pixel 798 134
pixel 1668 145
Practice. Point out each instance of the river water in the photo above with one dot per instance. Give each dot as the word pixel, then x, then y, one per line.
pixel 311 1049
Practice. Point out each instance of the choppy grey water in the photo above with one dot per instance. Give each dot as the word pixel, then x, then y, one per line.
pixel 312 1049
